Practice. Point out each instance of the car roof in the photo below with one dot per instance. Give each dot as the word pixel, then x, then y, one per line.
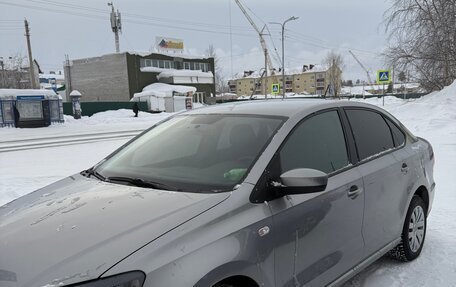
pixel 274 107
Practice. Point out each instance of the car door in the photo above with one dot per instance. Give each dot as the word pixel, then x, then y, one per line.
pixel 384 183
pixel 317 236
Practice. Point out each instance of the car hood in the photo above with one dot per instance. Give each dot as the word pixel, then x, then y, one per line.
pixel 76 229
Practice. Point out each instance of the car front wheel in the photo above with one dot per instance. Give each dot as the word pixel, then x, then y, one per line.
pixel 413 232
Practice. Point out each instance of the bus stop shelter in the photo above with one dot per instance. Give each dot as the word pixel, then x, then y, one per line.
pixel 37 108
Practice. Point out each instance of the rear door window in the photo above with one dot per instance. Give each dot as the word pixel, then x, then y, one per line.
pixel 317 143
pixel 371 132
pixel 398 135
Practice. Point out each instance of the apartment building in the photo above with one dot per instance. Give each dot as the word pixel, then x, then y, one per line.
pixel 312 79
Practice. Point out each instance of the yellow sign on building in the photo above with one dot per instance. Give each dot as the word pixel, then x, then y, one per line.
pixel 164 43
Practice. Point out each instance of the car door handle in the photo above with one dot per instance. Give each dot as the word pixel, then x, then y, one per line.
pixel 354 191
pixel 404 168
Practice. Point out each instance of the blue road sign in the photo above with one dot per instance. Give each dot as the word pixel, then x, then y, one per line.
pixel 275 88
pixel 383 76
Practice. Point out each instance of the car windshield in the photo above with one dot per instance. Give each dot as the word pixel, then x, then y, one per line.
pixel 193 153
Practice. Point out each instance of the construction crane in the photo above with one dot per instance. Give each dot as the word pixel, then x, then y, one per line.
pixel 364 68
pixel 267 58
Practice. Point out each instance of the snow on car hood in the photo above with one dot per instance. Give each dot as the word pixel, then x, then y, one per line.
pixel 77 228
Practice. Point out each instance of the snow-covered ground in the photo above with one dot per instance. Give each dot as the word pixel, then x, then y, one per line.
pixel 432 117
pixel 25 171
pixel 120 120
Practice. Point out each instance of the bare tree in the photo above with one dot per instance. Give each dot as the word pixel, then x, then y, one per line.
pixel 14 73
pixel 220 85
pixel 402 77
pixel 422 36
pixel 335 64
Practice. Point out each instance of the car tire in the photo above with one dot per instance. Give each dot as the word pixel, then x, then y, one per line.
pixel 413 232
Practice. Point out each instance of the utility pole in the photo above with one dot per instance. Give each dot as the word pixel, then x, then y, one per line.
pixel 29 47
pixel 116 25
pixel 3 73
pixel 265 86
pixel 69 86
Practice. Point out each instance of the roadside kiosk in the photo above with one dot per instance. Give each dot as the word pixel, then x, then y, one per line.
pixel 36 108
pixel 162 97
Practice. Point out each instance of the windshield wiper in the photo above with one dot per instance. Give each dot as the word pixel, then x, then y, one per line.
pixel 91 172
pixel 142 183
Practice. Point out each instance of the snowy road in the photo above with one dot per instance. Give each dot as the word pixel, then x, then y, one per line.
pixel 433 118
pixel 54 141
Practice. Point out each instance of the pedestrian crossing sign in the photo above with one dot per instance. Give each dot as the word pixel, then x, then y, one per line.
pixel 383 76
pixel 275 89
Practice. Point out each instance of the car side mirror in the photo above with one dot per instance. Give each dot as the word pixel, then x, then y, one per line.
pixel 303 180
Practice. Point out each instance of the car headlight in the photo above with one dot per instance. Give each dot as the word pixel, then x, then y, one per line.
pixel 130 279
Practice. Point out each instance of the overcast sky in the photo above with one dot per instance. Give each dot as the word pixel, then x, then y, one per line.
pixel 82 29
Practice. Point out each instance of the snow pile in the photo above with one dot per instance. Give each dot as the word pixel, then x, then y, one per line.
pixel 116 117
pixel 27 92
pixel 153 70
pixel 356 90
pixel 184 73
pixel 185 54
pixel 162 90
pixel 52 76
pixel 429 113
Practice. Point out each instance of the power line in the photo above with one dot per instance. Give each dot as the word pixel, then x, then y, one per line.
pixel 241 55
pixel 136 16
pixel 125 20
pixel 187 29
pixel 55 10
pixel 331 47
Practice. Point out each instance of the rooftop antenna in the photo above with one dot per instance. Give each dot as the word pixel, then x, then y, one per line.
pixel 116 25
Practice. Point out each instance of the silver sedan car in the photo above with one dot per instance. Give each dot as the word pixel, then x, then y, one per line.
pixel 260 193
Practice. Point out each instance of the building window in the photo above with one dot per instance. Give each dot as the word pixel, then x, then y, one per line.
pixel 154 63
pixel 196 66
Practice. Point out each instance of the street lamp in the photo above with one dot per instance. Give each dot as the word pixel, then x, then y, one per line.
pixel 283 50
